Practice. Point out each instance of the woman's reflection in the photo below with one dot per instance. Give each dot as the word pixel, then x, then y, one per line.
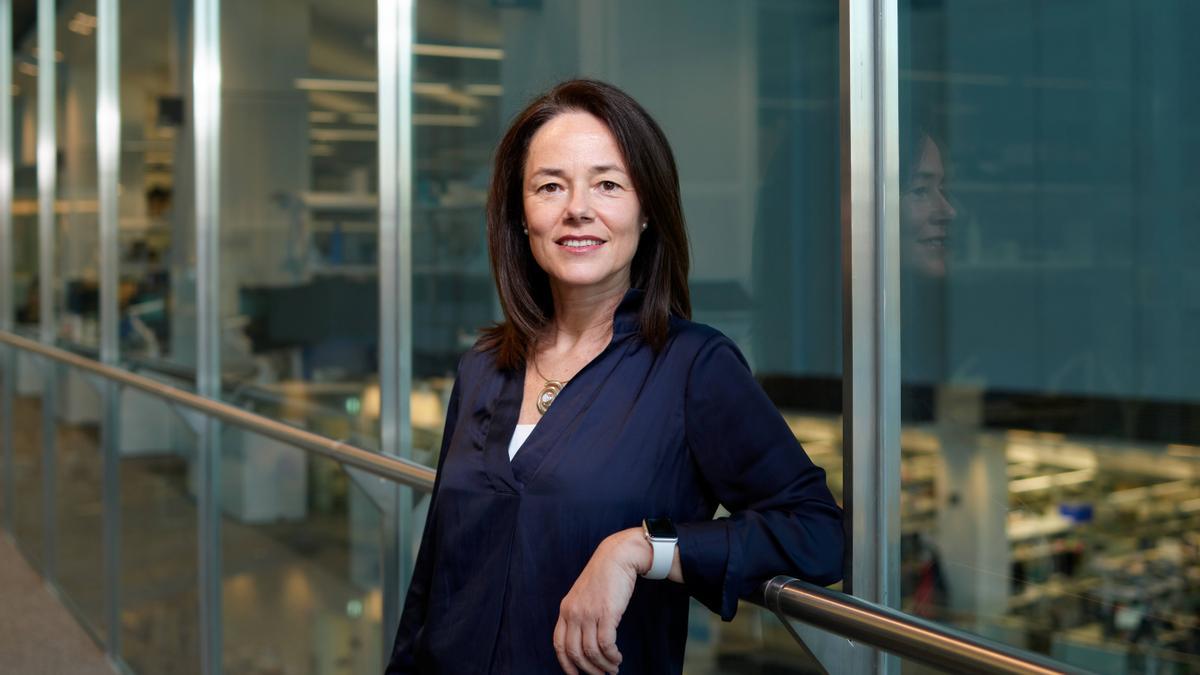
pixel 925 211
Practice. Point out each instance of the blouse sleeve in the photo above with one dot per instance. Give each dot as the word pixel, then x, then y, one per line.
pixel 784 519
pixel 412 618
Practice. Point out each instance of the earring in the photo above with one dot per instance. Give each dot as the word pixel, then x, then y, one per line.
pixel 644 226
pixel 525 230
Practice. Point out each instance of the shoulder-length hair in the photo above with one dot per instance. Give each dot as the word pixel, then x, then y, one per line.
pixel 660 266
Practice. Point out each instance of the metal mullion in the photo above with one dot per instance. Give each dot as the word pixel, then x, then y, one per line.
pixel 395 38
pixel 870 296
pixel 206 107
pixel 108 145
pixel 6 260
pixel 47 167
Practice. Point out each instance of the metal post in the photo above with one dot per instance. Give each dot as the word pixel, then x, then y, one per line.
pixel 108 154
pixel 206 107
pixel 870 296
pixel 395 39
pixel 6 270
pixel 47 169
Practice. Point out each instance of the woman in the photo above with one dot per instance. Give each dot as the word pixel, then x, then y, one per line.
pixel 595 406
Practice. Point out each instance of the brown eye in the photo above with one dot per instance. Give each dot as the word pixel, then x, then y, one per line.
pixel 608 186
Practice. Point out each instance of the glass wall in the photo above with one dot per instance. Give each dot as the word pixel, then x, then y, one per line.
pixel 29 381
pixel 1052 414
pixel 79 501
pixel 159 617
pixel 299 288
pixel 25 244
pixel 157 294
pixel 77 296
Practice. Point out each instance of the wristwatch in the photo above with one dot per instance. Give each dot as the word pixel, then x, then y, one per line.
pixel 661 534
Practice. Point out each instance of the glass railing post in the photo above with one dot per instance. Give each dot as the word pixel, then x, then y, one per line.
pixel 47 160
pixel 108 130
pixel 395 38
pixel 870 255
pixel 6 261
pixel 206 102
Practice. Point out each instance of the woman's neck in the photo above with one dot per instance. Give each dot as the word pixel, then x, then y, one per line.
pixel 583 316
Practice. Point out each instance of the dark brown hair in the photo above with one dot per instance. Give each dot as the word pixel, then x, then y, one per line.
pixel 660 266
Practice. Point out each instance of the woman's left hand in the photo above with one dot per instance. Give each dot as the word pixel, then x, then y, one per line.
pixel 585 637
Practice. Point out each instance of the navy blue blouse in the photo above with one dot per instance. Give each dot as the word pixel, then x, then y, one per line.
pixel 634 434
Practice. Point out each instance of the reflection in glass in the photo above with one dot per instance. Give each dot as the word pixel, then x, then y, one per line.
pixel 1051 490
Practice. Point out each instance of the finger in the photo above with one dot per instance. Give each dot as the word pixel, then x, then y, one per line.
pixel 575 651
pixel 560 648
pixel 592 651
pixel 606 639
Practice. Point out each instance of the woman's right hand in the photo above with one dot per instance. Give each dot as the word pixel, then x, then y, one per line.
pixel 585 637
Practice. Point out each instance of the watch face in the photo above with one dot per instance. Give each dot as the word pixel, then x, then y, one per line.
pixel 661 528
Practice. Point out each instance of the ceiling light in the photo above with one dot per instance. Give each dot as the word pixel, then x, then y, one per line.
pixel 456 52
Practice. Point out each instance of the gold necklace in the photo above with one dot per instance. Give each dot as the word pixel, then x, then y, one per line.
pixel 550 390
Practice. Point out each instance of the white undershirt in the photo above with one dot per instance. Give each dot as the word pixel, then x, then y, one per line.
pixel 518 438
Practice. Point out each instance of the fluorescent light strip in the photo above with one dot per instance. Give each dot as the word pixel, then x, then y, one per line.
pixel 483 89
pixel 456 52
pixel 329 135
pixel 326 84
pixel 445 120
pixel 369 87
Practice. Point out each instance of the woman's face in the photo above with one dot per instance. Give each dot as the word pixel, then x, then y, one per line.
pixel 925 213
pixel 583 216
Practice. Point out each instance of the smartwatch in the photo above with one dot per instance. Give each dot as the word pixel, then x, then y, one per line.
pixel 661 534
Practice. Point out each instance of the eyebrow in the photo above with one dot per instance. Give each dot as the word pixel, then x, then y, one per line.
pixel 559 173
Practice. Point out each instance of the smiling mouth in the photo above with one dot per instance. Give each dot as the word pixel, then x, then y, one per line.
pixel 580 244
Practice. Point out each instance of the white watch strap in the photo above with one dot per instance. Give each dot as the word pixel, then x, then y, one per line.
pixel 664 555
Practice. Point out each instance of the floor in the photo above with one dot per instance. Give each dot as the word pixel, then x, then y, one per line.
pixel 37 633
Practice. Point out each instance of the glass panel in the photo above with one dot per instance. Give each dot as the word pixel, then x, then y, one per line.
pixel 160 625
pixel 76 208
pixel 299 214
pixel 27 457
pixel 754 127
pixel 301 556
pixel 80 489
pixel 25 256
pixel 1049 285
pixel 157 296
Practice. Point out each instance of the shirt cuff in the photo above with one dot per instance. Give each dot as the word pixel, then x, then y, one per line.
pixel 708 563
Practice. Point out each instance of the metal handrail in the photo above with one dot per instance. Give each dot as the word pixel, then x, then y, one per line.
pixel 899 633
pixel 788 598
pixel 400 470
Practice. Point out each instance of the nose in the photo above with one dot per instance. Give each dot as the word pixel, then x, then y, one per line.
pixel 945 209
pixel 579 208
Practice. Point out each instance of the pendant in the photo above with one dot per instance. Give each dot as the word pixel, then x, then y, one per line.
pixel 549 393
